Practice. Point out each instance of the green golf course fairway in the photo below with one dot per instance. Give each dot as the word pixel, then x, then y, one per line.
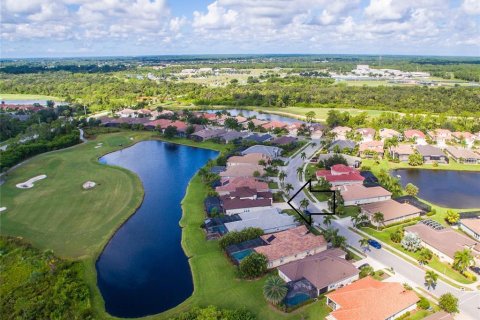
pixel 57 213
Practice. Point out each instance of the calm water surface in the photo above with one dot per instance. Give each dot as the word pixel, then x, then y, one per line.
pixel 143 270
pixel 446 188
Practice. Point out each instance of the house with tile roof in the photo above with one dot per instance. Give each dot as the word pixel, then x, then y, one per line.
pixel 231 184
pixel 387 133
pixel 290 245
pixel 268 219
pixel 233 136
pixel 207 134
pixel 392 210
pixel 371 299
pixel 326 271
pixel 462 155
pixel 464 137
pixel 275 125
pixel 356 194
pixel 440 136
pixel 432 154
pixel 416 136
pixel 444 242
pixel 340 174
pixel 271 152
pixel 340 132
pixel 248 159
pixel 283 141
pixel 367 134
pixel 471 226
pixel 401 152
pixel 370 148
pixel 242 171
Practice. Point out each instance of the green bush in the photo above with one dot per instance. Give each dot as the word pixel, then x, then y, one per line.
pixel 214 313
pixel 423 303
pixel 253 266
pixel 470 276
pixel 240 236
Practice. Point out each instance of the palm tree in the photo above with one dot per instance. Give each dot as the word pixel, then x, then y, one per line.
pixel 364 244
pixel 274 289
pixel 431 279
pixel 314 144
pixel 303 155
pixel 462 260
pixel 424 256
pixel 330 233
pixel 288 188
pixel 339 242
pixel 304 203
pixel 299 171
pixel 378 218
pixel 327 220
pixel 281 176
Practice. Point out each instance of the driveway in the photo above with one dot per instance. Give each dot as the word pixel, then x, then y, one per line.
pixel 469 300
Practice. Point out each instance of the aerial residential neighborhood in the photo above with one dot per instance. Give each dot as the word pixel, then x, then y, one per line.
pixel 240 160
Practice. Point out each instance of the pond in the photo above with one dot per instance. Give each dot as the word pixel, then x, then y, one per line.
pixel 260 116
pixel 143 270
pixel 446 188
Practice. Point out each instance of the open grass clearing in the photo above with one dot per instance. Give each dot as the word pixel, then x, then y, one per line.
pixel 20 96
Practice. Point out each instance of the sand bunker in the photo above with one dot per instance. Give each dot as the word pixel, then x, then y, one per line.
pixel 3 209
pixel 30 182
pixel 89 185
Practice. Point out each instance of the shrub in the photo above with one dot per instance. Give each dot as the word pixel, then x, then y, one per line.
pixel 366 271
pixel 448 303
pixel 253 266
pixel 470 276
pixel 397 236
pixel 411 242
pixel 423 303
pixel 240 236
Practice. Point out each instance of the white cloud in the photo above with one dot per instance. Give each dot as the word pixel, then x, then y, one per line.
pixel 471 7
pixel 216 17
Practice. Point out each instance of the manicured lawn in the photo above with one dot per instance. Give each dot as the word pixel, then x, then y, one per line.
pixel 57 214
pixel 273 185
pixel 351 211
pixel 214 276
pixel 19 96
pixel 384 164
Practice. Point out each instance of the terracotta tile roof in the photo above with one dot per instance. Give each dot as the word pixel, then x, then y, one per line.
pixel 404 149
pixel 341 130
pixel 290 242
pixel 412 133
pixel 472 224
pixel 376 146
pixel 370 299
pixel 388 133
pixel 447 240
pixel 440 133
pixel 164 123
pixel 366 131
pixel 274 124
pixel 391 209
pixel 258 122
pixel 462 153
pixel 340 173
pixel 342 168
pixel 243 192
pixel 251 158
pixel 241 119
pixel 358 192
pixel 234 183
pixel 242 171
pixel 463 135
pixel 321 269
pixel 236 203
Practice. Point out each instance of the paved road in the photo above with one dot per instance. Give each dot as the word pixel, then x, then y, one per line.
pixel 469 300
pixel 292 176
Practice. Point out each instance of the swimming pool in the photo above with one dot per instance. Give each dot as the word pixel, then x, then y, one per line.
pixel 240 255
pixel 296 299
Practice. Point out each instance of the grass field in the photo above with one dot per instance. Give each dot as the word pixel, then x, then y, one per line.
pixel 57 214
pixel 19 96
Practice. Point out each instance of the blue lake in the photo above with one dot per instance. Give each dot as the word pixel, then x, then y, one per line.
pixel 446 188
pixel 260 116
pixel 143 270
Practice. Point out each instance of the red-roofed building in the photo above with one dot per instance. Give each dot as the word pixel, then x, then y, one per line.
pixel 371 299
pixel 274 125
pixel 163 124
pixel 415 135
pixel 231 184
pixel 370 148
pixel 340 174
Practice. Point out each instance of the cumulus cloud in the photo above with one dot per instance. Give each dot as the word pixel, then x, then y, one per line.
pixel 352 26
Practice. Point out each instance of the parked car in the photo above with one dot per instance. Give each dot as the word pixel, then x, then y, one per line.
pixel 374 243
pixel 475 269
pixel 364 265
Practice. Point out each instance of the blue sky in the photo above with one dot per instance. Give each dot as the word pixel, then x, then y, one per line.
pixel 56 28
